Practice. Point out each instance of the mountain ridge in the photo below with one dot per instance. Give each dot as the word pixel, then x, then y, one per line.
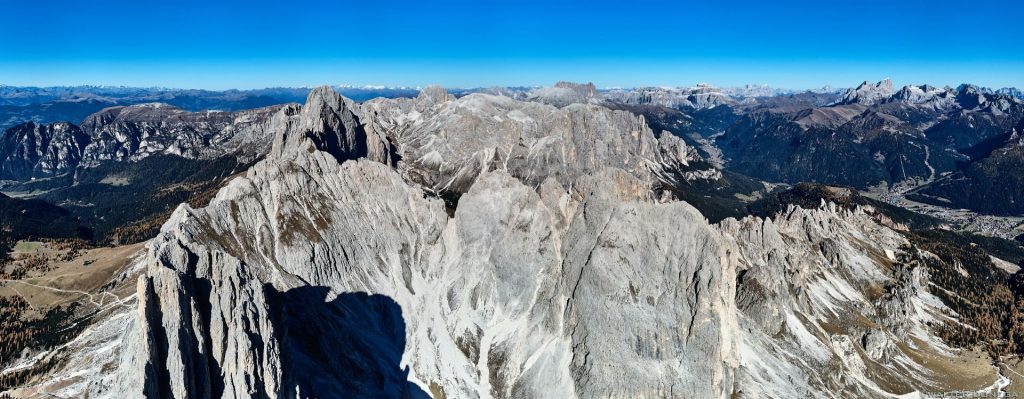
pixel 544 284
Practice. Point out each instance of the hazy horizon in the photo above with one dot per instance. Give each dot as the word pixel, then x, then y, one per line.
pixel 549 84
pixel 235 45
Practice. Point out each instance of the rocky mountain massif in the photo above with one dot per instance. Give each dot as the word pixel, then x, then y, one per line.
pixel 31 151
pixel 484 246
pixel 873 135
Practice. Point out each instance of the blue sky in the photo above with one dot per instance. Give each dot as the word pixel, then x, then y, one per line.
pixel 252 44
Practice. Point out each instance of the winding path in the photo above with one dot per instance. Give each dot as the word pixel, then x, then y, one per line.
pixel 99 305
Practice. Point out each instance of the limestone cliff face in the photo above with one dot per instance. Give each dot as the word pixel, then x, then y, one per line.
pixel 697 97
pixel 131 133
pixel 138 131
pixel 331 123
pixel 558 275
pixel 508 298
pixel 31 150
pixel 445 144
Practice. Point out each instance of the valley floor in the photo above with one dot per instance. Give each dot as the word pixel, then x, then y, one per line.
pixel 1007 227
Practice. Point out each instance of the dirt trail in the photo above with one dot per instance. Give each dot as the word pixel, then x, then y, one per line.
pixel 90 296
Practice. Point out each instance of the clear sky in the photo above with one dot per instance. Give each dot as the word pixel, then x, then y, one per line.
pixel 253 44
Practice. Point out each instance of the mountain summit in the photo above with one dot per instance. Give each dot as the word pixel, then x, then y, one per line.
pixel 869 94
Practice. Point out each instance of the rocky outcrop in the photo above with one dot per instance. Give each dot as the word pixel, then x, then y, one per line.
pixel 330 123
pixel 135 132
pixel 31 150
pixel 825 306
pixel 446 144
pixel 939 99
pixel 695 98
pixel 564 93
pixel 681 161
pixel 869 93
pixel 509 297
pixel 131 133
pixel 933 100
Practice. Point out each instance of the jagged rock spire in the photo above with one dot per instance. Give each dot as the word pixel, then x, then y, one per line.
pixel 330 124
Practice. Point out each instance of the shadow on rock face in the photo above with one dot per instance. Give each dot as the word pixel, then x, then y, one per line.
pixel 345 347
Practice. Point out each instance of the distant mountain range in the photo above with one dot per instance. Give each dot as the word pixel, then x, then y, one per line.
pixel 872 135
pixel 74 103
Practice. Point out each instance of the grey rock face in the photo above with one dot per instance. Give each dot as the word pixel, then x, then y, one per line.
pixel 698 97
pixel 130 133
pixel 495 300
pixel 584 89
pixel 939 99
pixel 557 276
pixel 869 94
pixel 135 132
pixel 676 159
pixel 446 145
pixel 564 93
pixel 803 280
pixel 332 124
pixel 30 150
pixel 927 98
